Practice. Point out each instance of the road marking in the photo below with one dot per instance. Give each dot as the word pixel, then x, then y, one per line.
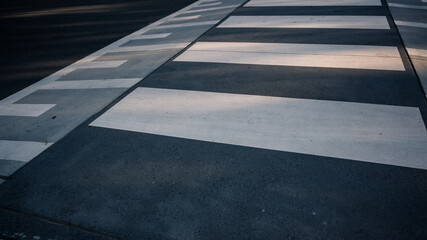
pixel 2 181
pixel 308 3
pixel 152 36
pixel 398 5
pixel 393 135
pixel 335 22
pixel 417 52
pixel 102 64
pixel 150 47
pixel 411 24
pixel 211 9
pixel 184 18
pixel 192 24
pixel 91 84
pixel 21 150
pixel 209 4
pixel 304 55
pixel 24 110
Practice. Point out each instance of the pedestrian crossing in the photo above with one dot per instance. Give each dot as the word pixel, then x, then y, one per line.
pixel 384 131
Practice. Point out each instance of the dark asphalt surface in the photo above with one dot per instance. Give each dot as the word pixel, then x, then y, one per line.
pixel 40 38
pixel 98 183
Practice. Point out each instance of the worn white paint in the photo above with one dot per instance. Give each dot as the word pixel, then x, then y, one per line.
pixel 24 110
pixel 152 36
pixel 151 47
pixel 21 150
pixel 92 84
pixel 411 24
pixel 185 18
pixel 399 5
pixel 304 55
pixel 308 3
pixel 417 52
pixel 335 22
pixel 209 4
pixel 190 24
pixel 103 64
pixel 393 135
pixel 211 9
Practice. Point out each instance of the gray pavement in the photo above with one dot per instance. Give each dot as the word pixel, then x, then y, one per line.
pixel 284 120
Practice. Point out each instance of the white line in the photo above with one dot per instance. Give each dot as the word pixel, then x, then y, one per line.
pixel 303 55
pixel 211 9
pixel 92 84
pixel 290 3
pixel 102 64
pixel 335 22
pixel 150 47
pixel 424 1
pixel 209 4
pixel 366 132
pixel 417 52
pixel 152 36
pixel 24 110
pixel 411 24
pixel 184 18
pixel 21 150
pixel 187 24
pixel 406 6
pixel 2 181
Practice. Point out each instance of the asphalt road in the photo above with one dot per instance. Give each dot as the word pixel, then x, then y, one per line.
pixel 40 38
pixel 231 140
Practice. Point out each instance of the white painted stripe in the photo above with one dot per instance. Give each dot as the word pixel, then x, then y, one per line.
pixel 417 52
pixel 24 110
pixel 307 3
pixel 424 1
pixel 366 132
pixel 150 47
pixel 411 24
pixel 211 9
pixel 152 36
pixel 335 22
pixel 209 4
pixel 184 18
pixel 303 55
pixel 298 48
pixel 192 24
pixel 2 181
pixel 398 5
pixel 91 84
pixel 21 150
pixel 102 64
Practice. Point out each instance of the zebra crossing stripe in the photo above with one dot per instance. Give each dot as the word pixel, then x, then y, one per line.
pixel 411 24
pixel 303 55
pixel 399 5
pixel 91 84
pixel 191 24
pixel 21 150
pixel 150 47
pixel 384 134
pixel 332 22
pixel 152 36
pixel 211 9
pixel 309 3
pixel 24 110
